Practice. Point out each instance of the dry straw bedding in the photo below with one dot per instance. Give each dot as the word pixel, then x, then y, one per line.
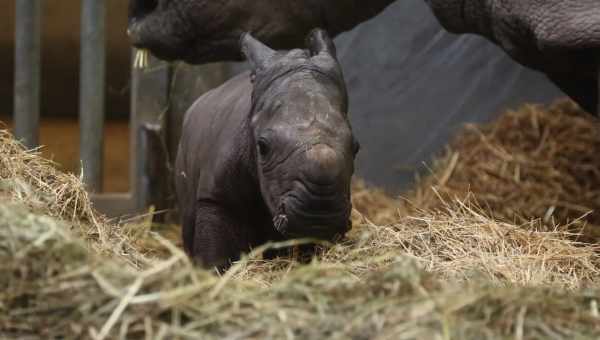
pixel 535 162
pixel 443 270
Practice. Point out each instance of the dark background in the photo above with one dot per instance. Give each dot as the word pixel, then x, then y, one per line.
pixel 412 85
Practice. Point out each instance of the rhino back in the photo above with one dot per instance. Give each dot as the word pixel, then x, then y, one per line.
pixel 211 141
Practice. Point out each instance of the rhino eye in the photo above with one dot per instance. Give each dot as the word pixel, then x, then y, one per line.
pixel 263 147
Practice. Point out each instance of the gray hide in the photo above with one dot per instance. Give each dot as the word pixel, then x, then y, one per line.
pixel 558 37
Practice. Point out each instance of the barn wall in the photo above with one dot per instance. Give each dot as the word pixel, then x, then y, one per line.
pixel 60 57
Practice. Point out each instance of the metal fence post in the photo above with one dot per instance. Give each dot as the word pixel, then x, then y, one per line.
pixel 149 107
pixel 27 71
pixel 91 85
pixel 149 167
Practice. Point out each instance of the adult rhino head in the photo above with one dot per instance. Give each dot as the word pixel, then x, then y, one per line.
pixel 558 37
pixel 203 31
pixel 304 144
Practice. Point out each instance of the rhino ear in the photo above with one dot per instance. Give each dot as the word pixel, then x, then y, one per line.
pixel 258 54
pixel 318 41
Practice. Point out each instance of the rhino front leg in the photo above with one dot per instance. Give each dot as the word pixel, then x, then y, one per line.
pixel 218 237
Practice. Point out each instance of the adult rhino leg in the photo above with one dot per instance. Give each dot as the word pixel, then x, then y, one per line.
pixel 218 237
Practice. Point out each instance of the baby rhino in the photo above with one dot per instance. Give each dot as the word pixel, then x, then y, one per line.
pixel 267 156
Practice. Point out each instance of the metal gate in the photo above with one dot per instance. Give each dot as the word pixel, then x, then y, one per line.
pixel 149 163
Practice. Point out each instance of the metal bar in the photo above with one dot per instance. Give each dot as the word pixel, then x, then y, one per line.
pixel 149 167
pixel 27 71
pixel 151 180
pixel 145 102
pixel 149 106
pixel 134 98
pixel 153 175
pixel 91 96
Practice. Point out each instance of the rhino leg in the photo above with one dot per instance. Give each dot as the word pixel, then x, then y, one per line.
pixel 218 237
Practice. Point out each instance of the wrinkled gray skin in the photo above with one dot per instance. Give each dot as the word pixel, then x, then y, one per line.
pixel 267 156
pixel 204 31
pixel 558 37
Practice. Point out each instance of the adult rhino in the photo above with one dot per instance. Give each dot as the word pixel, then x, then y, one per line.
pixel 204 31
pixel 268 155
pixel 560 38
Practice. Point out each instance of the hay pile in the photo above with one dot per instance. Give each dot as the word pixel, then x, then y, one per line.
pixel 58 288
pixel 534 163
pixel 28 178
pixel 31 179
pixel 447 272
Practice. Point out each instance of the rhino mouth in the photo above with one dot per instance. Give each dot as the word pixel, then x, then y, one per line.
pixel 150 28
pixel 293 220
